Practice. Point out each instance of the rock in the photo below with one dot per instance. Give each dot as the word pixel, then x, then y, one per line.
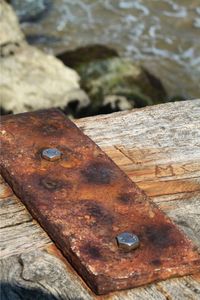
pixel 86 54
pixel 9 29
pixel 120 83
pixel 31 79
pixel 42 39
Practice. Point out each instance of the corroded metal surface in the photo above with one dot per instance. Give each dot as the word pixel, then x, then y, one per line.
pixel 84 201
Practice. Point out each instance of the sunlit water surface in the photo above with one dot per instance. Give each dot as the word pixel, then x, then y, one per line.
pixel 162 34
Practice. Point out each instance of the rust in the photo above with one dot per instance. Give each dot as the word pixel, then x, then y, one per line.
pixel 98 173
pixel 84 201
pixel 5 191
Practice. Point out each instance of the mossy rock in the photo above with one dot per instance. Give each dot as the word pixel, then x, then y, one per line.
pixel 122 79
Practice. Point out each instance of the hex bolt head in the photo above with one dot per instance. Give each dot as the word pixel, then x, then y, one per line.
pixel 51 154
pixel 127 241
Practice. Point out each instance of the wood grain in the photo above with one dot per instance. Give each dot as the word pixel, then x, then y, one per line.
pixel 159 148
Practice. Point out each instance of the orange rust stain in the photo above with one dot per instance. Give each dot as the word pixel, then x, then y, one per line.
pixel 196 277
pixel 159 188
pixel 1 179
pixel 141 164
pixel 5 191
pixel 144 172
pixel 117 156
pixel 139 174
pixel 53 250
pixel 140 156
pixel 163 171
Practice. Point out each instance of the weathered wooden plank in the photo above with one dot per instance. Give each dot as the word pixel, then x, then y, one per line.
pixel 159 148
pixel 13 212
pixel 174 127
pixel 34 274
pixel 84 173
pixel 186 214
pixel 182 288
pixel 39 275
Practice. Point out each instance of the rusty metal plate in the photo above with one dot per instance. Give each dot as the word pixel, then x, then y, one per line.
pixel 83 201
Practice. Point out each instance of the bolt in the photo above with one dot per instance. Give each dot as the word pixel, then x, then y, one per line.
pixel 51 154
pixel 127 241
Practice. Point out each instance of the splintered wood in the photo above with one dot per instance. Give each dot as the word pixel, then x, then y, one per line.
pixel 83 201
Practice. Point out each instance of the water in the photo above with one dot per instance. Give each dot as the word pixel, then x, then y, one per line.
pixel 164 35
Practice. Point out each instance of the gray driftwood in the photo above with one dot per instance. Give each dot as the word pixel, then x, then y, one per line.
pixel 159 148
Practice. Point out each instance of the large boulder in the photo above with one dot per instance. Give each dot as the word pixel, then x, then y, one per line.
pixel 31 79
pixel 10 31
pixel 117 84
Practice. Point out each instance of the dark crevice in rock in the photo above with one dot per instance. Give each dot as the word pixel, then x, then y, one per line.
pixel 86 54
pixel 4 112
pixel 41 39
